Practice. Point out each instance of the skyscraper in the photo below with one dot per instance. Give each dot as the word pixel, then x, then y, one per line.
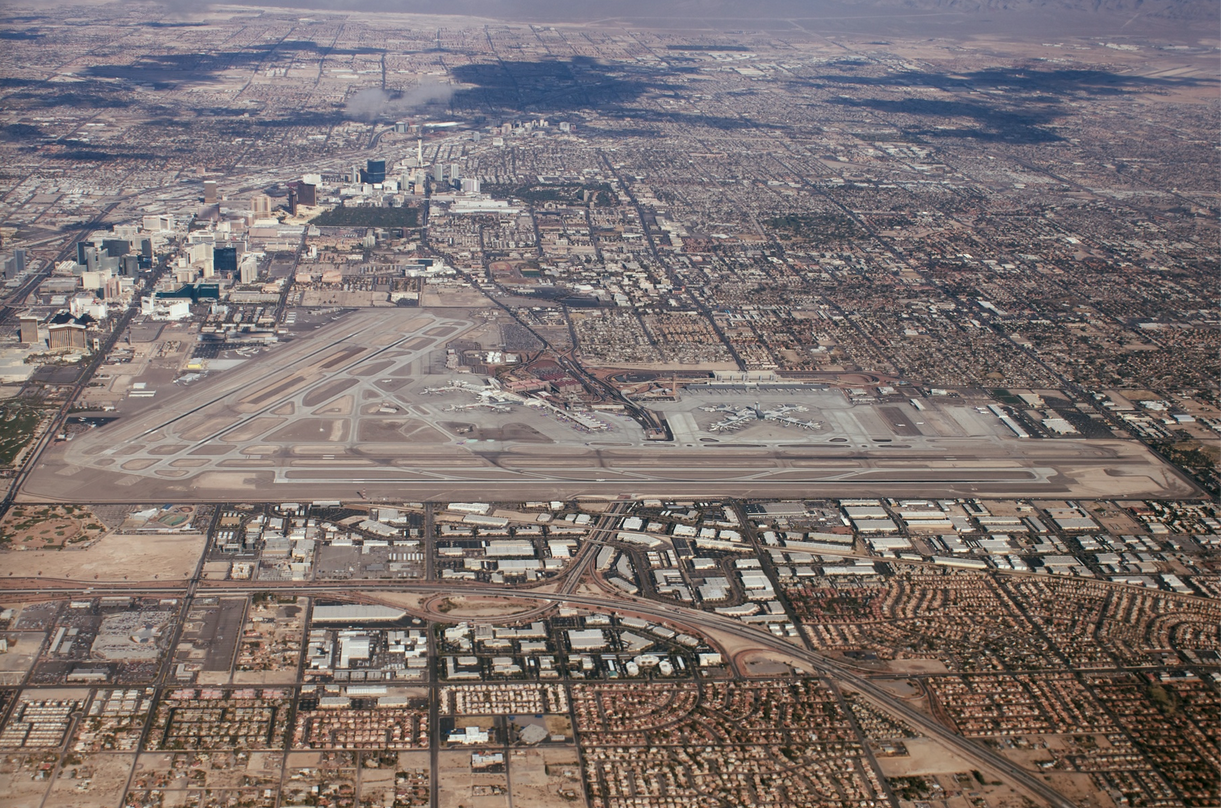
pixel 90 256
pixel 209 192
pixel 224 259
pixel 250 270
pixel 29 329
pixel 14 265
pixel 115 247
pixel 375 172
pixel 67 332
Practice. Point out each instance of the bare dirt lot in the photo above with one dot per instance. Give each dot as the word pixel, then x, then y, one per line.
pixel 924 756
pixel 546 778
pixel 458 784
pixel 462 607
pixel 114 557
pixel 96 781
pixel 18 786
pixel 23 647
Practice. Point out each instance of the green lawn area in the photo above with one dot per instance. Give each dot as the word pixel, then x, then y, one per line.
pixel 816 228
pixel 368 217
pixel 17 422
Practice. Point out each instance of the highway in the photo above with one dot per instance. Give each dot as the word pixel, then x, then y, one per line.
pixel 681 615
pixel 47 437
pixel 591 545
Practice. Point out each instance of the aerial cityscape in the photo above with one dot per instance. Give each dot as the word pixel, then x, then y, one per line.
pixel 695 405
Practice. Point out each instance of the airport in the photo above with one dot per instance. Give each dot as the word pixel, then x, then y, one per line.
pixel 365 407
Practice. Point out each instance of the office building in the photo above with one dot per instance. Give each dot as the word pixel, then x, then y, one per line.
pixel 115 247
pixel 29 329
pixel 250 269
pixel 15 265
pixel 375 172
pixel 224 260
pixel 67 332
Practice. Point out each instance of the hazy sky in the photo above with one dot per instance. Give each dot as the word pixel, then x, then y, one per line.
pixel 893 17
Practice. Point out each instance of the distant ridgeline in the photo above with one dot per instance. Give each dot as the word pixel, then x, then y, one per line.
pixel 368 217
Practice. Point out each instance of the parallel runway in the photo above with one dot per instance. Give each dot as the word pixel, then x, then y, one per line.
pixel 345 413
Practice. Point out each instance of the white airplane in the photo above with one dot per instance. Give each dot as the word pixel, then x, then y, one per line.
pixel 738 417
pixel 489 405
pixel 494 397
pixel 489 393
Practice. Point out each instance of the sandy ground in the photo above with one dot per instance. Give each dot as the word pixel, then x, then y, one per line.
pixel 482 607
pixel 96 782
pixel 444 609
pixel 406 600
pixel 916 666
pixel 1077 786
pixel 221 770
pixel 23 649
pixel 767 663
pixel 445 297
pixel 114 557
pixel 284 677
pixel 376 785
pixel 458 785
pixel 903 690
pixel 925 756
pixel 18 788
pixel 1081 790
pixel 544 778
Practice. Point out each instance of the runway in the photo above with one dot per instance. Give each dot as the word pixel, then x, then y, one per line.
pixel 364 407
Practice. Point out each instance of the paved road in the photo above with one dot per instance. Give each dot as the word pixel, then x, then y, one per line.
pixel 297 424
pixel 698 620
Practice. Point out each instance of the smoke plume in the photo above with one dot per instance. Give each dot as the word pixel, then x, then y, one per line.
pixel 379 105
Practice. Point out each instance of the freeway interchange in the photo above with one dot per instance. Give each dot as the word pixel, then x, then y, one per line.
pixel 573 588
